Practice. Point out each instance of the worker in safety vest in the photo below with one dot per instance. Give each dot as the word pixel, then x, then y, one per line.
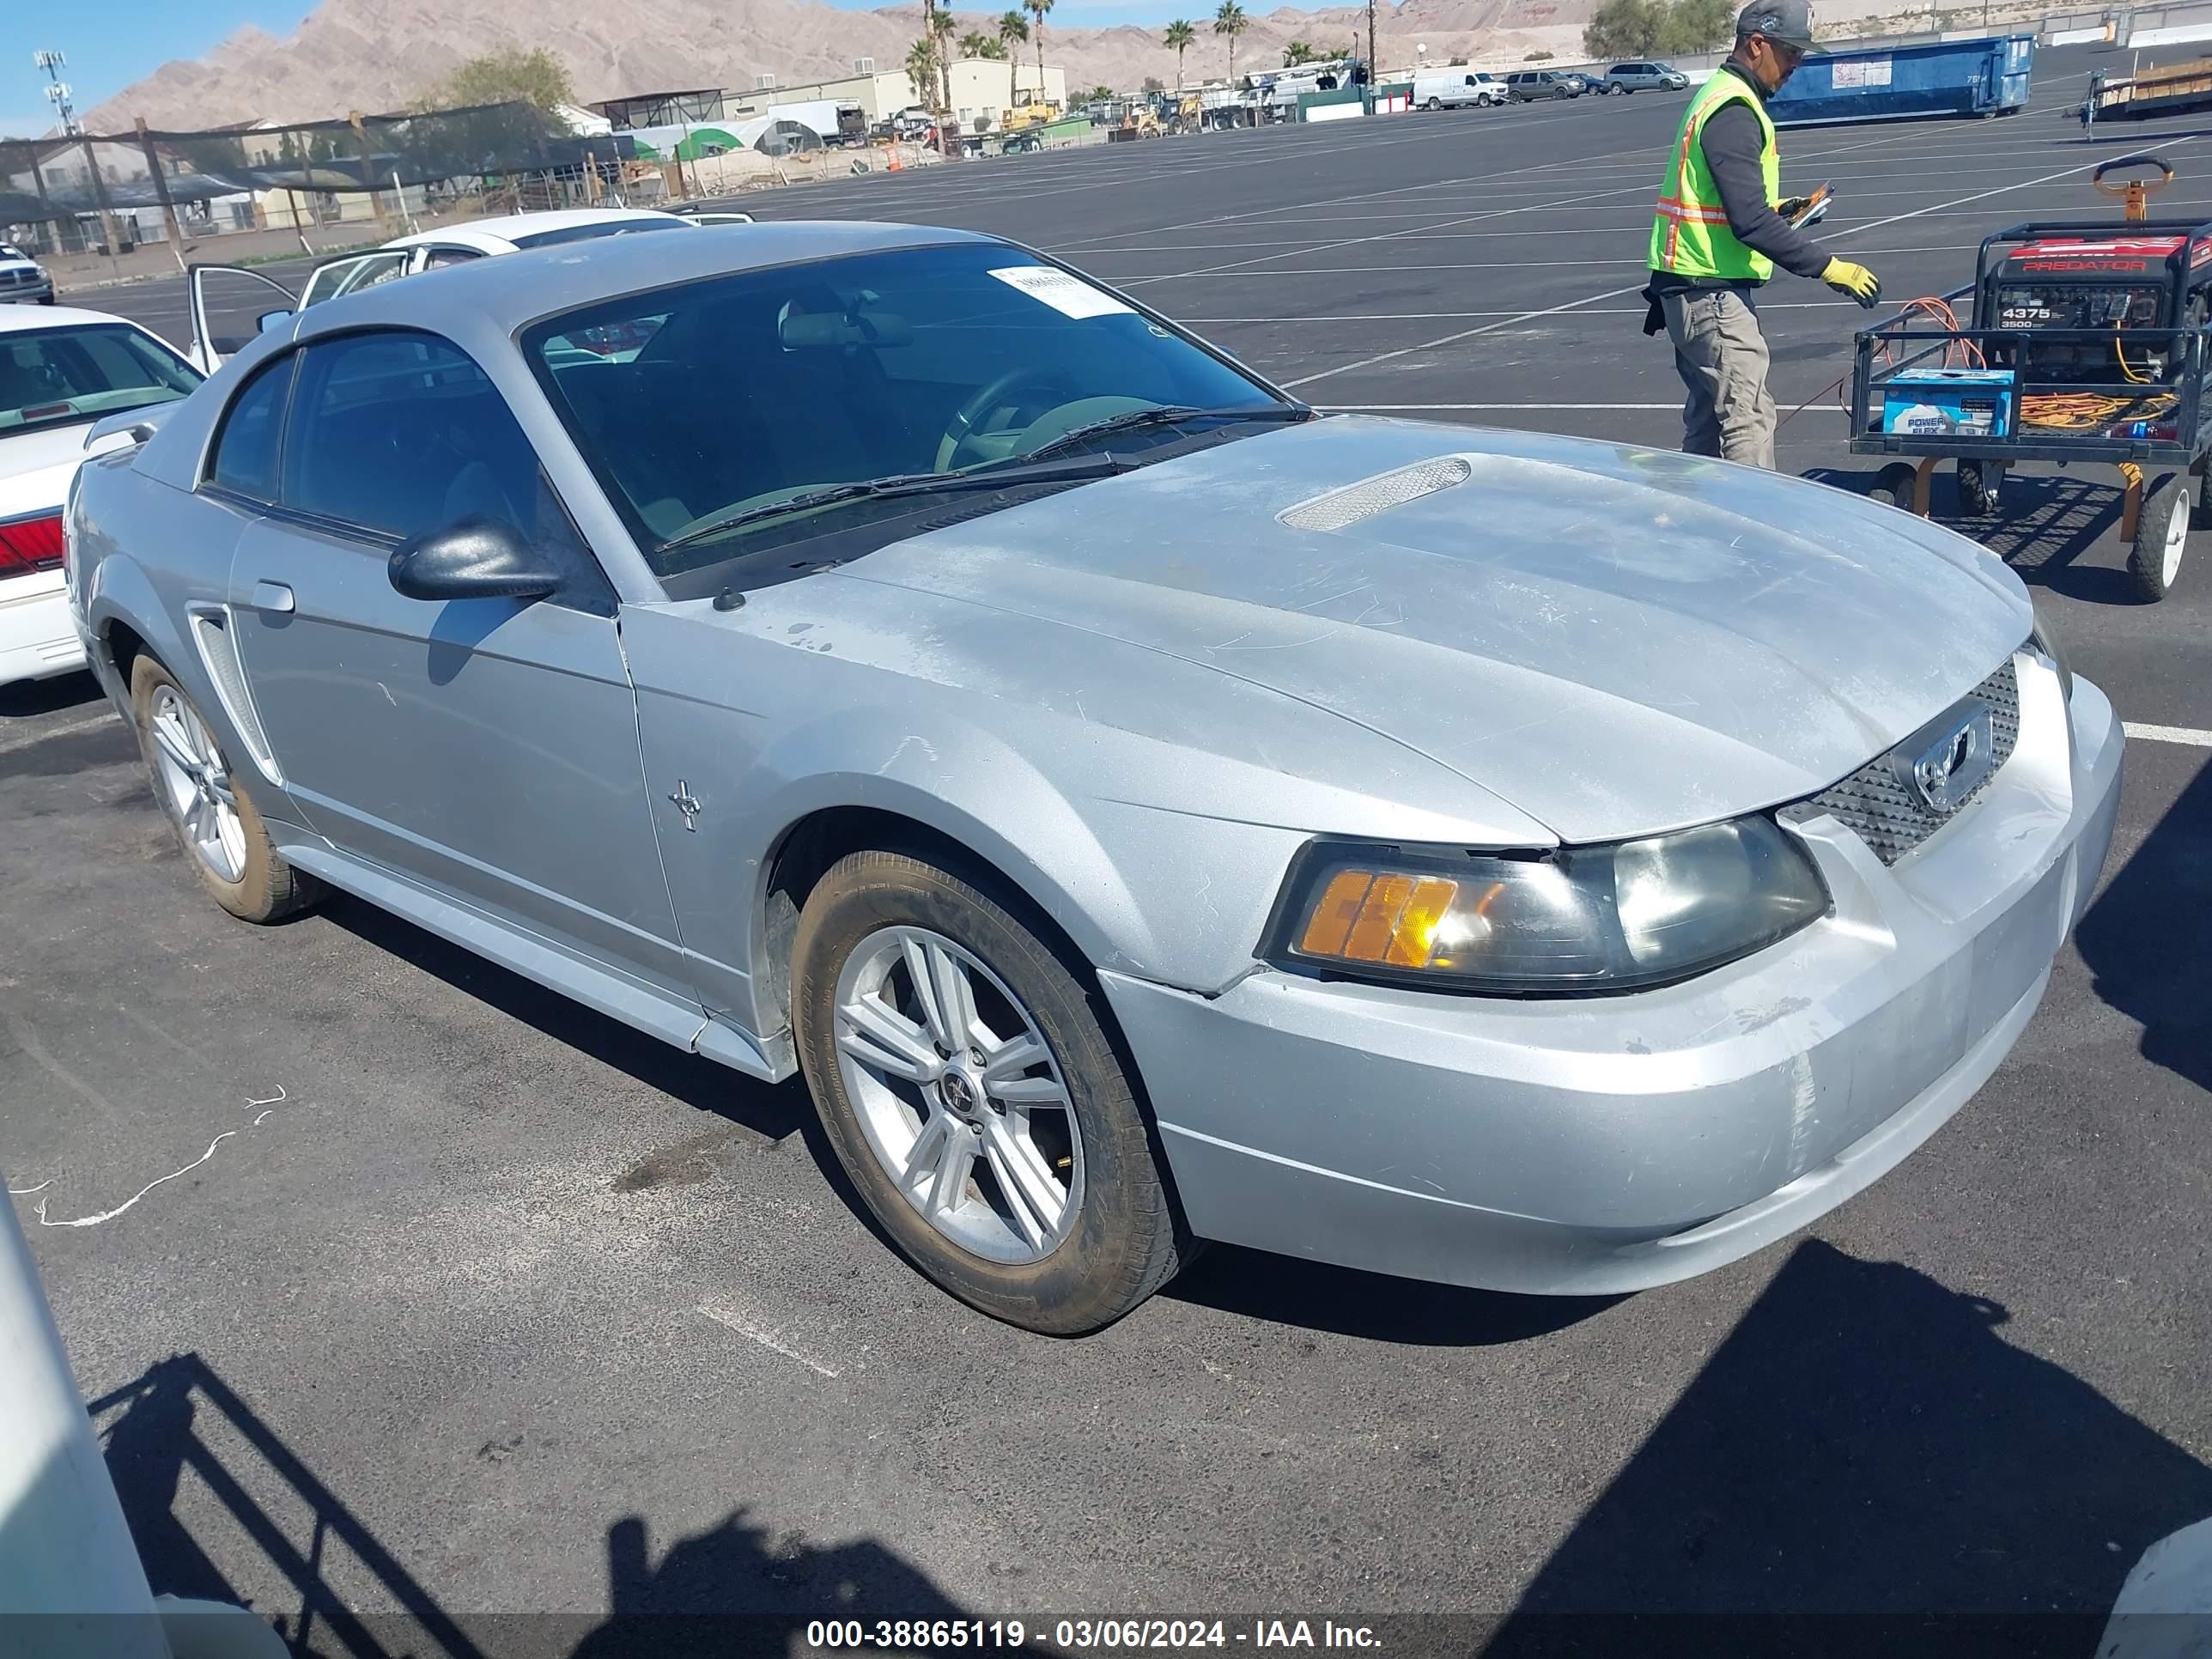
pixel 1723 227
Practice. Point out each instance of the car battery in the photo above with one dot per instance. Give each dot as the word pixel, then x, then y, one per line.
pixel 1949 403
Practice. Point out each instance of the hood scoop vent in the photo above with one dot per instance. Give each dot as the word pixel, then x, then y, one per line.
pixel 1348 506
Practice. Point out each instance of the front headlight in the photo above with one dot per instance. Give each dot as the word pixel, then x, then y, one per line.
pixel 1637 913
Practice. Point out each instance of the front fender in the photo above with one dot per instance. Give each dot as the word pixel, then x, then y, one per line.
pixel 967 784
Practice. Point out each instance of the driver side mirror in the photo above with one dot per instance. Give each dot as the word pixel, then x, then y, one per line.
pixel 478 558
pixel 268 319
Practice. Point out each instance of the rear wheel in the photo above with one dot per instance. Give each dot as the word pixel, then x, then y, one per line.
pixel 967 1081
pixel 1893 485
pixel 1432 105
pixel 214 819
pixel 2162 535
pixel 1979 488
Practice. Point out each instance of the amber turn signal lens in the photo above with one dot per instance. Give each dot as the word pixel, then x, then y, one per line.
pixel 1362 916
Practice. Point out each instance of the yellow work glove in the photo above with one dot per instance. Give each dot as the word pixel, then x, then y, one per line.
pixel 1855 282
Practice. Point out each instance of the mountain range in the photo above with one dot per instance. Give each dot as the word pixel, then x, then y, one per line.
pixel 374 55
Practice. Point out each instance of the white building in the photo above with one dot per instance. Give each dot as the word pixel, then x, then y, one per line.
pixel 981 87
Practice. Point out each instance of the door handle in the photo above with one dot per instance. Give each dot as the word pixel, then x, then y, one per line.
pixel 272 596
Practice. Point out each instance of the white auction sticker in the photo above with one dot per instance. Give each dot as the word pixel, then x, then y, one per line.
pixel 1070 295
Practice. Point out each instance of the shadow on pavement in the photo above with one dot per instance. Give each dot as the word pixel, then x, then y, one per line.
pixel 2146 940
pixel 1347 1302
pixel 1865 1442
pixel 2050 527
pixel 732 1590
pixel 27 698
pixel 770 1109
pixel 162 1432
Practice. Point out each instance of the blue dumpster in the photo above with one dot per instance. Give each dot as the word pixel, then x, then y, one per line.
pixel 1983 77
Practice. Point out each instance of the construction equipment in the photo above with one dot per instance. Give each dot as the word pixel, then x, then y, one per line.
pixel 1141 122
pixel 2087 341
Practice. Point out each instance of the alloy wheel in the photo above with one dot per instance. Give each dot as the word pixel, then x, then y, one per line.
pixel 195 782
pixel 958 1094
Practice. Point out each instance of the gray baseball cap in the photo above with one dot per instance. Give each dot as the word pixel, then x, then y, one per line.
pixel 1789 22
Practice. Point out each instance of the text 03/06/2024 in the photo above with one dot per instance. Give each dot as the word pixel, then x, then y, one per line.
pixel 830 1636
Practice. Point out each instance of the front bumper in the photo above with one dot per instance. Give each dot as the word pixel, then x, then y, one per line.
pixel 1605 1144
pixel 38 636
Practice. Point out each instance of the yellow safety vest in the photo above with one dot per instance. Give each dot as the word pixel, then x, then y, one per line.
pixel 1690 234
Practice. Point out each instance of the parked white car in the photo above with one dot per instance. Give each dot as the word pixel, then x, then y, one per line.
pixel 1457 88
pixel 22 278
pixel 427 250
pixel 61 370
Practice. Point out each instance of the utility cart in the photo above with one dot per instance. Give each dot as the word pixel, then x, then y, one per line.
pixel 2087 343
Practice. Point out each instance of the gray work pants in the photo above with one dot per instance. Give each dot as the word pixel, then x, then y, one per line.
pixel 1721 355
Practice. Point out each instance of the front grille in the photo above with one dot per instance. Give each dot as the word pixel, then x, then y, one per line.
pixel 1878 802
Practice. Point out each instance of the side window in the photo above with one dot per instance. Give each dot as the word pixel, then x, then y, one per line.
pixel 245 446
pixel 400 433
pixel 444 255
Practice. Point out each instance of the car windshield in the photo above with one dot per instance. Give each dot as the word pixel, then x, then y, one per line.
pixel 587 232
pixel 703 408
pixel 50 376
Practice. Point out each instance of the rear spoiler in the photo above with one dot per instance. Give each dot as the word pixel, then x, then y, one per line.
pixel 135 424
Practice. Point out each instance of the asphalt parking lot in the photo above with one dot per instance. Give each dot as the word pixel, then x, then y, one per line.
pixel 453 1304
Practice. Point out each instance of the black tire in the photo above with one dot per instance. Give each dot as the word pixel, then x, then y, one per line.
pixel 2200 500
pixel 1893 485
pixel 1432 105
pixel 2155 559
pixel 47 299
pixel 1980 489
pixel 268 889
pixel 1126 1240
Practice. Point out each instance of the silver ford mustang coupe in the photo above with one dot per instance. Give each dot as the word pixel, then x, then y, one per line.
pixel 1146 812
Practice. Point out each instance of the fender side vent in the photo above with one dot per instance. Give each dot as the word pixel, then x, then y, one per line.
pixel 1363 500
pixel 210 633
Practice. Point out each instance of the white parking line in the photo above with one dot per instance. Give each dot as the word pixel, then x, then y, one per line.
pixel 766 1339
pixel 1619 292
pixel 2188 735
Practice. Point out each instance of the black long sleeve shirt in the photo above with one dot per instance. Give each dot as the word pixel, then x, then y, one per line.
pixel 1733 144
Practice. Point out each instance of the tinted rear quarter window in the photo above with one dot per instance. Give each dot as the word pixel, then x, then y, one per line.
pixel 246 449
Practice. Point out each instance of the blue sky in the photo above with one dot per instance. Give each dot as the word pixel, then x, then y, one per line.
pixel 112 44
pixel 115 42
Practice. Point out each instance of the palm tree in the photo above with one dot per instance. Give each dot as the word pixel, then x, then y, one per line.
pixel 1178 37
pixel 921 70
pixel 1012 27
pixel 1229 21
pixel 1297 52
pixel 1037 9
pixel 941 24
pixel 976 44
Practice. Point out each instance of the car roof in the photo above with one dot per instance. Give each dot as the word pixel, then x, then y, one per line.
pixel 21 319
pixel 506 226
pixel 538 281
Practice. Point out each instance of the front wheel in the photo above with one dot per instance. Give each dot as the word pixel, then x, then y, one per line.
pixel 2161 537
pixel 967 1081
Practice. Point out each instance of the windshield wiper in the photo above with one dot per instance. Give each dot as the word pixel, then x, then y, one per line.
pixel 904 484
pixel 1167 415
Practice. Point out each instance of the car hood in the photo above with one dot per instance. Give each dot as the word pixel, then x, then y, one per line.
pixel 1617 641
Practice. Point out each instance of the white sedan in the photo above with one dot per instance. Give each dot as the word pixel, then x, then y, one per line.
pixel 61 370
pixel 426 250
